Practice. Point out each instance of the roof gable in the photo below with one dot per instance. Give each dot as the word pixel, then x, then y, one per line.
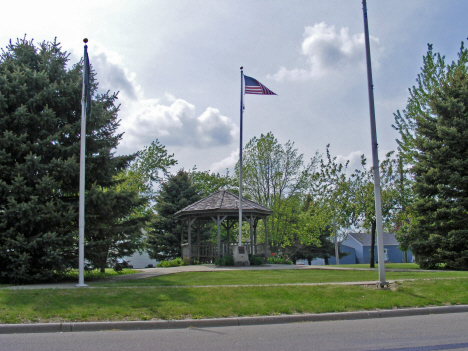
pixel 222 200
pixel 364 239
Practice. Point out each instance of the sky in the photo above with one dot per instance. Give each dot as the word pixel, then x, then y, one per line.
pixel 176 65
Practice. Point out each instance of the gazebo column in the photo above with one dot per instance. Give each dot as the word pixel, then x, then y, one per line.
pixel 227 237
pixel 266 239
pixel 255 234
pixel 181 238
pixel 190 222
pixel 198 242
pixel 251 220
pixel 218 222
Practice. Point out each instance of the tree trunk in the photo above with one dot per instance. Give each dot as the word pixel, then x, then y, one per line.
pixel 103 269
pixel 326 261
pixel 372 250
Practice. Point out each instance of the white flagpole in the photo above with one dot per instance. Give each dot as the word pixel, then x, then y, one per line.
pixel 375 156
pixel 240 158
pixel 81 220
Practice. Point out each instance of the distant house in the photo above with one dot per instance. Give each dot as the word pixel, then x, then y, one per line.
pixel 360 244
pixel 140 260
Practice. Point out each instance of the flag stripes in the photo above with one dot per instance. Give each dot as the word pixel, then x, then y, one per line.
pixel 253 86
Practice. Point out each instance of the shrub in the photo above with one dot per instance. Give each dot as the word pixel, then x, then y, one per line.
pixel 278 260
pixel 225 261
pixel 173 263
pixel 256 261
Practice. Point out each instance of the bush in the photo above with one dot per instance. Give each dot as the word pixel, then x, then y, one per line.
pixel 225 261
pixel 278 260
pixel 256 261
pixel 173 263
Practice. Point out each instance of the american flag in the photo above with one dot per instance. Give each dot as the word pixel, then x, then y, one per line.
pixel 253 86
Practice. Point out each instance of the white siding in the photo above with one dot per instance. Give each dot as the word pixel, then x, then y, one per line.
pixel 140 260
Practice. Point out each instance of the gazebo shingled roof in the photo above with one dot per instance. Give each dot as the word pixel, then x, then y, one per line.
pixel 222 202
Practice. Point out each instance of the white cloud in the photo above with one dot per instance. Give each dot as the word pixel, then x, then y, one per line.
pixel 226 163
pixel 172 120
pixel 327 50
pixel 175 124
pixel 112 74
pixel 354 159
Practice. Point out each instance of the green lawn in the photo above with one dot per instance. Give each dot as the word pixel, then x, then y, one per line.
pixel 238 277
pixel 153 298
pixel 387 265
pixel 145 303
pixel 93 275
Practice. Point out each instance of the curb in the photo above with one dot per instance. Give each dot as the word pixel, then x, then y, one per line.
pixel 222 322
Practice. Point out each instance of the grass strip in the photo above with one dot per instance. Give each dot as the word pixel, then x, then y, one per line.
pixel 278 277
pixel 145 303
pixel 387 265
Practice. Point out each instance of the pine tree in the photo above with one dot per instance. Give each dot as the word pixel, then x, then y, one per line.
pixel 40 112
pixel 440 231
pixel 175 194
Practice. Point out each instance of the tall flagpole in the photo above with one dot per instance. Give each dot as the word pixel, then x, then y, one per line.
pixel 240 157
pixel 375 156
pixel 81 220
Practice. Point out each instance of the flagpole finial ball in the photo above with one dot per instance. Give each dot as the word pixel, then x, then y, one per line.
pixel 85 40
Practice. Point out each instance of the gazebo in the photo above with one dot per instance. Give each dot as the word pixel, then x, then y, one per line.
pixel 221 207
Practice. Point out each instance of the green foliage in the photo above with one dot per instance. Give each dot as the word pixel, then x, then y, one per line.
pixel 226 260
pixel 325 248
pixel 177 192
pixel 276 259
pixel 38 161
pixel 118 267
pixel 149 168
pixel 256 261
pixel 40 122
pixel 437 145
pixel 208 183
pixel 96 274
pixel 274 176
pixel 177 262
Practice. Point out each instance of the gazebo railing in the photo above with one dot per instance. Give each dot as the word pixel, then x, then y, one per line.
pixel 208 252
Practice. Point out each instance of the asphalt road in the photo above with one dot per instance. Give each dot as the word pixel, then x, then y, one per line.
pixel 416 333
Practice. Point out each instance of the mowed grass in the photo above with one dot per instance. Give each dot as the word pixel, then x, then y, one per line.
pixel 387 265
pixel 146 303
pixel 263 277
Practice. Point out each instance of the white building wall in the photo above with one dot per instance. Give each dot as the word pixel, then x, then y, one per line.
pixel 140 260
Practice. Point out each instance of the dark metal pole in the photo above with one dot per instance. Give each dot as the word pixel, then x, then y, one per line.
pixel 240 158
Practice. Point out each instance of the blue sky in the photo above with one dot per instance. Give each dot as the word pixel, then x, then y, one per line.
pixel 176 65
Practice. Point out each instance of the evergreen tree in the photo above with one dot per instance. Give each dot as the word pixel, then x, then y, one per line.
pixel 434 147
pixel 175 194
pixel 323 248
pixel 439 236
pixel 40 113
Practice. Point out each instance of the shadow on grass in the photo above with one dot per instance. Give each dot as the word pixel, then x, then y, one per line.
pixel 92 304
